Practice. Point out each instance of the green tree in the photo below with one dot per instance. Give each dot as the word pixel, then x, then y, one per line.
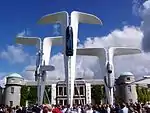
pixel 32 95
pixel 97 93
pixel 24 95
pixel 144 91
pixel 140 94
pixel 148 96
pixel 143 94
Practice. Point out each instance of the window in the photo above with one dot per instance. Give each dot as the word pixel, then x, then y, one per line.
pixel 82 101
pixel 60 90
pixel 11 103
pixel 76 91
pixel 129 88
pixel 76 101
pixel 12 90
pixel 65 91
pixel 12 80
pixel 61 102
pixel 65 102
pixel 128 78
pixel 81 91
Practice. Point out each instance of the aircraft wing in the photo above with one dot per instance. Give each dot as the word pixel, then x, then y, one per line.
pixel 45 67
pixel 124 50
pixel 91 51
pixel 53 18
pixel 30 68
pixel 86 18
pixel 27 40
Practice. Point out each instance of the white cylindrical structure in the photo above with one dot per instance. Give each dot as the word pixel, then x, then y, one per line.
pixel 88 93
pixel 53 94
pixel 13 89
pixel 125 91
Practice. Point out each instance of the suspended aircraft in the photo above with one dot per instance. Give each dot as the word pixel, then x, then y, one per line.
pixel 69 29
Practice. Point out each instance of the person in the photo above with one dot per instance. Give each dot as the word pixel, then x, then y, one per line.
pixel 107 108
pixel 124 109
pixel 89 110
pixel 117 108
pixel 18 109
pixel 56 109
pixel 47 109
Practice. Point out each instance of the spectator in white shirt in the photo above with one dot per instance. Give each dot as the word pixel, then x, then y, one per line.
pixel 89 110
pixel 124 109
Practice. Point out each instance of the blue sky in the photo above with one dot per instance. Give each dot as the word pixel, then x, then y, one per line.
pixel 18 15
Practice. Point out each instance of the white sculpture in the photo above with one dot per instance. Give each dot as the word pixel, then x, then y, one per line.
pixel 43 59
pixel 69 29
pixel 106 57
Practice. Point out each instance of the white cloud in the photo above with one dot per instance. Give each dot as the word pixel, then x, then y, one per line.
pixel 137 6
pixel 14 54
pixel 28 72
pixel 25 32
pixel 118 37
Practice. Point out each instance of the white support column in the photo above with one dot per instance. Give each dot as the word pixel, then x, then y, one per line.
pixel 88 93
pixel 53 94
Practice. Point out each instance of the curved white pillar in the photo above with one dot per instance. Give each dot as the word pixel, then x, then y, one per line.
pixel 69 62
pixel 59 17
pixel 106 57
pixel 48 42
pixel 76 18
pixel 47 45
pixel 44 64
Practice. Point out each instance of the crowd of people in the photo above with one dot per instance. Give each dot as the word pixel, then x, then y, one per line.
pixel 104 108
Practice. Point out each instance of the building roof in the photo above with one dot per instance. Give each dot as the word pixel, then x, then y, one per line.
pixel 16 75
pixel 126 73
pixel 145 81
pixel 49 82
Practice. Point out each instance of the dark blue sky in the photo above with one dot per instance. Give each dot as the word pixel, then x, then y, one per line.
pixel 18 15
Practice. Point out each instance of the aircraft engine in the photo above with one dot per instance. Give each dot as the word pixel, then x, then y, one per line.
pixel 110 79
pixel 69 41
pixel 36 76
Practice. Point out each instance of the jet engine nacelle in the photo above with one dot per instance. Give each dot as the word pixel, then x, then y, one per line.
pixel 43 76
pixel 36 76
pixel 109 68
pixel 69 41
pixel 110 79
